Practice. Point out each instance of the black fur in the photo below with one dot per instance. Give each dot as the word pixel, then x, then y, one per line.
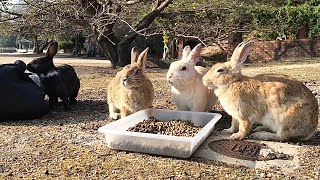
pixel 58 82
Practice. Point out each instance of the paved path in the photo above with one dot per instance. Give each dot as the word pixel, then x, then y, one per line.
pixel 59 59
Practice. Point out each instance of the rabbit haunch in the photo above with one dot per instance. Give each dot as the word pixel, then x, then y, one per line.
pixel 285 107
pixel 188 91
pixel 58 82
pixel 130 90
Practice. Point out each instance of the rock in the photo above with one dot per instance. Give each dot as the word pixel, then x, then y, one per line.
pixel 212 52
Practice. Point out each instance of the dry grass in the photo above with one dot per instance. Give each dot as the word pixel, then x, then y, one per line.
pixel 66 145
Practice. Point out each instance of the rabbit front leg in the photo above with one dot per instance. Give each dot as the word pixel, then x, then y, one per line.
pixel 233 128
pixel 66 103
pixel 63 94
pixel 113 111
pixel 124 112
pixel 52 101
pixel 244 128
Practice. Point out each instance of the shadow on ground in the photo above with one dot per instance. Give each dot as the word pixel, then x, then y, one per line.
pixel 84 111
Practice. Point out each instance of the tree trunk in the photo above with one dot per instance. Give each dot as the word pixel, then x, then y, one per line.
pixel 124 50
pixel 118 52
pixel 124 54
pixel 124 45
pixel 43 46
pixel 108 48
pixel 77 50
pixel 36 48
pixel 233 40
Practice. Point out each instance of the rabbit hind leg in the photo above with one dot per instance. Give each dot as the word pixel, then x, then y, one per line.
pixel 266 136
pixel 74 94
pixel 261 128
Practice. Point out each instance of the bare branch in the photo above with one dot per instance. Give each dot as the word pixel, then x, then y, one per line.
pixel 194 37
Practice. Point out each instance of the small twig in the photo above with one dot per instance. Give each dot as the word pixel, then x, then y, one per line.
pixel 195 37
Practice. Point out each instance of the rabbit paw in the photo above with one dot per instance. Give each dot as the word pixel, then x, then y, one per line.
pixel 238 135
pixel 229 130
pixel 115 116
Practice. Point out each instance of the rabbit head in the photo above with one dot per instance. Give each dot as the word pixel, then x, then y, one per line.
pixel 221 74
pixel 21 65
pixel 182 72
pixel 44 64
pixel 133 74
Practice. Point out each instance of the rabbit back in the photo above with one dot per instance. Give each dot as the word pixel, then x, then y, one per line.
pixel 283 105
pixel 71 81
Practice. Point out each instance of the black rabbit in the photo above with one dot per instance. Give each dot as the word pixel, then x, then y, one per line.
pixel 58 82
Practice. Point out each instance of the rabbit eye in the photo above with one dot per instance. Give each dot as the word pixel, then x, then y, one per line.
pixel 220 70
pixel 138 71
pixel 184 68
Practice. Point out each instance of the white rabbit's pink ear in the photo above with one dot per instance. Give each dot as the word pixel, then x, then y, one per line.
pixel 143 58
pixel 240 54
pixel 195 53
pixel 134 55
pixel 52 49
pixel 186 51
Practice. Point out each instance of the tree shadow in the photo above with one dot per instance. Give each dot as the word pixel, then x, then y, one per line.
pixel 85 111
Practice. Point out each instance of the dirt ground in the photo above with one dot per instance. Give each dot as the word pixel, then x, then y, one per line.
pixel 66 145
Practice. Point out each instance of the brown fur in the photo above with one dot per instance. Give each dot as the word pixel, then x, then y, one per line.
pixel 284 106
pixel 130 90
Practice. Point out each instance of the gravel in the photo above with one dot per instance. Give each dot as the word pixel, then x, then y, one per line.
pixel 66 145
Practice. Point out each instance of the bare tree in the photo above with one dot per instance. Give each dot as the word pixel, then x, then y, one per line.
pixel 104 15
pixel 98 16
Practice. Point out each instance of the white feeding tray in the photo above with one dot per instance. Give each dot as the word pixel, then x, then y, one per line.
pixel 118 137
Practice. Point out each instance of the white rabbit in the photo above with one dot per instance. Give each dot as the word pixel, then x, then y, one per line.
pixel 285 107
pixel 188 91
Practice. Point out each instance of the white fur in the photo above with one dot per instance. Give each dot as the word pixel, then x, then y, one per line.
pixel 50 74
pixel 35 78
pixel 188 91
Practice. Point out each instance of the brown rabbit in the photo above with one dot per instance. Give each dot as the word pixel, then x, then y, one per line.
pixel 130 90
pixel 285 107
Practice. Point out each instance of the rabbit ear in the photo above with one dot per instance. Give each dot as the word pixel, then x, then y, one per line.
pixel 195 53
pixel 52 49
pixel 134 55
pixel 143 58
pixel 185 52
pixel 240 54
